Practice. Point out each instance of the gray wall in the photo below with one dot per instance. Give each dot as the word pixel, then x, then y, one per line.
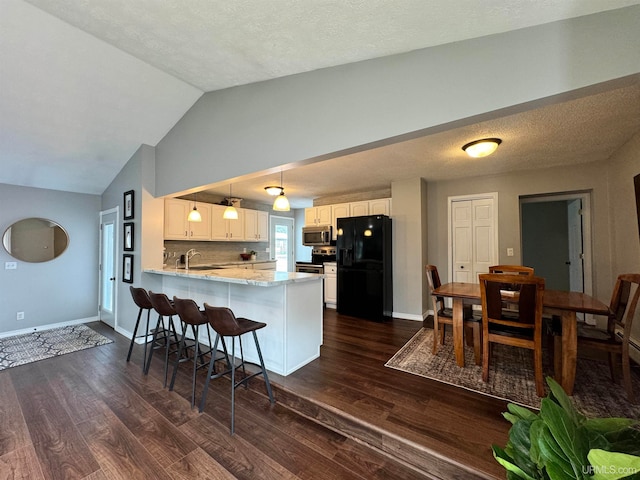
pixel 250 128
pixel 64 289
pixel 138 175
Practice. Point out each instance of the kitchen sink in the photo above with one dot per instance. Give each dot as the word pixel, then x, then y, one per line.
pixel 202 267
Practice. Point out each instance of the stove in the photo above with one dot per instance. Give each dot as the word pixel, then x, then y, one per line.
pixel 319 255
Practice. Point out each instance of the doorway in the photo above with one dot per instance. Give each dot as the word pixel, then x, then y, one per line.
pixel 556 239
pixel 108 267
pixel 281 238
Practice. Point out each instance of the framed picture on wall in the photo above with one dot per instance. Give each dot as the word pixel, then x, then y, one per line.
pixel 128 237
pixel 128 205
pixel 127 268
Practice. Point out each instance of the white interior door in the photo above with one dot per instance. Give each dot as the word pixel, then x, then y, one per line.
pixel 473 244
pixel 108 268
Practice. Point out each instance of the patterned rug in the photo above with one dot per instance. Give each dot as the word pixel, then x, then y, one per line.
pixel 35 346
pixel 511 376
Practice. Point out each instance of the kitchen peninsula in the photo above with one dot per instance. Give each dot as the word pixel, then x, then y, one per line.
pixel 289 303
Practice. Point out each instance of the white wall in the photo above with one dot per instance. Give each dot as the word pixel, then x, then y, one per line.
pixel 64 289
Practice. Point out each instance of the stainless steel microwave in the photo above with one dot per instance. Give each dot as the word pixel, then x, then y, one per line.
pixel 312 236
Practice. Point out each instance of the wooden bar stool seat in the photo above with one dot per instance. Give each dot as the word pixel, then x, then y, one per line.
pixel 225 324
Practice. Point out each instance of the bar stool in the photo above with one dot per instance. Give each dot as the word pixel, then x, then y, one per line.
pixel 192 316
pixel 162 335
pixel 225 324
pixel 141 299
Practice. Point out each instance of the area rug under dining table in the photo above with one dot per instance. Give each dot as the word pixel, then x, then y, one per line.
pixel 511 376
pixel 34 346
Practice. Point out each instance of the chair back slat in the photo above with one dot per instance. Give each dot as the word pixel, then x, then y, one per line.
pixel 512 269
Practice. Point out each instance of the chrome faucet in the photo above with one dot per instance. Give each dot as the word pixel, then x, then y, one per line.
pixel 188 256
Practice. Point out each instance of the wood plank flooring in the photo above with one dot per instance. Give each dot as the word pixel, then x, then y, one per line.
pixel 91 415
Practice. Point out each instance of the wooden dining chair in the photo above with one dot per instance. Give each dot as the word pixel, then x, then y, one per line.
pixel 615 339
pixel 512 269
pixel 523 330
pixel 444 316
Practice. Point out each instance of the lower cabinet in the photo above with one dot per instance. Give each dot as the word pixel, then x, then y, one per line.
pixel 330 284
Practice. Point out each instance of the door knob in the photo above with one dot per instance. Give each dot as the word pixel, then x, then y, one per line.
pixel 112 278
pixel 461 266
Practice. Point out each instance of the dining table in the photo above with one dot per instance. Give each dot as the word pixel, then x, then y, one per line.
pixel 565 304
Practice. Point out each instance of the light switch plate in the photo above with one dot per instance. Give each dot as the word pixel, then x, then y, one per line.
pixel 509 252
pixel 10 265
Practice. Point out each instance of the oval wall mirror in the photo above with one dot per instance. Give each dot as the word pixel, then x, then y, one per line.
pixel 35 240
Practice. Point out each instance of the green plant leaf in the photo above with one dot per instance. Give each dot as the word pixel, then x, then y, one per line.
pixel 624 441
pixel 561 398
pixel 507 462
pixel 609 425
pixel 613 465
pixel 571 440
pixel 519 445
pixel 522 412
pixel 551 453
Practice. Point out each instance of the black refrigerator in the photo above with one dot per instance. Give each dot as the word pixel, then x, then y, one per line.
pixel 363 255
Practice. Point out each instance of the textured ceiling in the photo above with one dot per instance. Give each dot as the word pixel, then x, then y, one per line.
pixel 84 82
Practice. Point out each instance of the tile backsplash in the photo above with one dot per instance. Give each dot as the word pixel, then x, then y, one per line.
pixel 213 252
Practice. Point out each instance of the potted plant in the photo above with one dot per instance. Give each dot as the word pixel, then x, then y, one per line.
pixel 561 443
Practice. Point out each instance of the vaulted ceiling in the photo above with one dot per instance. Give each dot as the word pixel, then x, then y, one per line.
pixel 84 84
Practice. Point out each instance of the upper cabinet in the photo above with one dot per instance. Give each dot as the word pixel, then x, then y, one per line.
pixel 251 225
pixel 317 216
pixel 223 229
pixel 176 225
pixel 256 225
pixel 381 206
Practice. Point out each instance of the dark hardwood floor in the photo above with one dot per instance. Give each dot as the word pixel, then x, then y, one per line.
pixel 91 415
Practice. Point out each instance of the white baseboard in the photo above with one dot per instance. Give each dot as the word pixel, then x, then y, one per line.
pixel 48 327
pixel 407 316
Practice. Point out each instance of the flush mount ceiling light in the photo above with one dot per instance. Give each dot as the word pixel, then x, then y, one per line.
pixel 281 203
pixel 230 213
pixel 482 148
pixel 273 190
pixel 194 215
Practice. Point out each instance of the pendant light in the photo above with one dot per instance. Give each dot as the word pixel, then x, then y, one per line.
pixel 281 203
pixel 230 213
pixel 194 215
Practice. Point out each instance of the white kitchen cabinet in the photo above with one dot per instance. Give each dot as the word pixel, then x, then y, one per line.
pixel 359 209
pixel 339 210
pixel 176 225
pixel 256 225
pixel 381 206
pixel 223 229
pixel 317 216
pixel 330 284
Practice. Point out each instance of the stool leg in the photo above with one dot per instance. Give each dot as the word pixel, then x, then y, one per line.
pixel 203 399
pixel 154 340
pixel 264 370
pixel 233 384
pixel 146 339
pixel 244 371
pixel 196 331
pixel 172 330
pixel 175 365
pixel 135 332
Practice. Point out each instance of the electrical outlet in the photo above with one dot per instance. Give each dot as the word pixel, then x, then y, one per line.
pixel 509 252
pixel 10 265
pixel 20 316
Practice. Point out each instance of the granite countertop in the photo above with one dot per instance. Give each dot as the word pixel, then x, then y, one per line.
pixel 261 278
